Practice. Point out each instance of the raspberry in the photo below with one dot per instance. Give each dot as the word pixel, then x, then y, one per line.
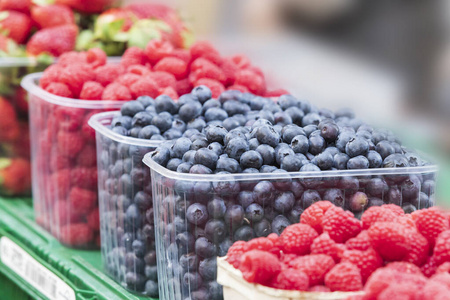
pixel 376 214
pixel 391 240
pixel 116 91
pixel 133 56
pixel 419 249
pixel 407 220
pixel 61 184
pixel 59 162
pixel 163 79
pixel 70 143
pixel 319 289
pixel 158 49
pixel 297 239
pixel 87 131
pixel 402 291
pixel 138 70
pixel 290 279
pixel 50 75
pixel 262 243
pixel 313 215
pixel 360 242
pixel 72 58
pixel 404 267
pixel 384 277
pixel 229 70
pixel 76 234
pixel 443 278
pixel 93 220
pixel 444 268
pixel 68 118
pixel 91 91
pixel 127 79
pixel 276 93
pixel 397 210
pixel 183 86
pixel 182 54
pixel 344 277
pixel 430 223
pixel 240 61
pixel 95 57
pixel 237 87
pixel 74 76
pixel 85 178
pixel 82 201
pixel 87 157
pixel 441 251
pixel 341 225
pixel 433 291
pixel 216 87
pixel 206 50
pixel 144 87
pixel 287 260
pixel 430 267
pixel 235 253
pixel 254 82
pixel 65 214
pixel 169 91
pixel 108 73
pixel 59 89
pixel 208 70
pixel 367 261
pixel 325 245
pixel 315 266
pixel 273 237
pixel 172 65
pixel 259 267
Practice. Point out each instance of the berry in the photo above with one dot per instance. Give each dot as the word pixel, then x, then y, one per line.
pixel 367 261
pixel 59 89
pixel 70 143
pixel 144 87
pixel 430 223
pixel 78 234
pixel 215 86
pixel 441 251
pixel 52 15
pixel 391 240
pixel 289 279
pixel 297 239
pixel 402 291
pixel 434 290
pixel 341 225
pixel 376 214
pixel 235 252
pixel 444 268
pixel 261 243
pixel 430 267
pixel 172 65
pixel 20 5
pixel 404 267
pixel 259 267
pixel 15 25
pixel 115 91
pixel 54 40
pixel 206 50
pixel 157 50
pixel 134 56
pixel 419 249
pixel 254 82
pixel 344 277
pixel 316 266
pixel 325 245
pixel 107 74
pixel 91 91
pixel 82 201
pixel 313 215
pixel 397 210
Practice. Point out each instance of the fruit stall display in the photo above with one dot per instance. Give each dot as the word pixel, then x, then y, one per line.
pixel 386 255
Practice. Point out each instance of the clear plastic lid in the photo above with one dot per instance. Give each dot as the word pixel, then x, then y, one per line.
pixel 288 175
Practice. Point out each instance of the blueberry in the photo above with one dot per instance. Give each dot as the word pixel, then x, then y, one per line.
pixel 408 208
pixel 385 148
pixel 143 200
pixel 197 123
pixel 267 169
pixel 161 156
pixel 204 248
pixel 164 103
pixel 343 138
pixel 335 196
pixel 199 144
pixel 190 132
pixel 262 228
pixel 124 121
pixel 284 202
pixel 279 224
pixel 311 119
pixel 251 159
pixel 163 121
pixel 185 242
pixel 300 144
pixel 189 111
pixel 202 93
pixel 142 119
pixel 138 248
pixel 296 115
pixel 290 131
pixel 148 131
pixel 375 159
pixel 120 130
pixel 146 100
pixel 340 161
pixel 233 107
pixel 189 262
pixel 227 164
pixel 254 213
pixel 358 162
pixel 261 122
pixel 134 132
pixel 216 147
pixel 208 268
pixel 151 289
pixel 216 208
pixel 267 153
pixel 133 216
pixel 282 118
pixel 157 137
pixel 378 135
pixel 215 231
pixel 329 132
pixel 324 161
pixel 395 161
pixel 131 108
pixel 295 213
pixel 197 214
pixel 394 196
pixel 135 281
pixel 215 133
pixel 215 291
pixel 253 144
pixel 357 146
pixel 291 163
pixel 377 187
pixel 414 160
pixel 236 147
pixel 244 233
pixel 192 280
pixel 179 125
pixel 309 197
pixel 206 157
pixel 428 187
pixel 358 202
pixel 215 113
pixel 264 192
pixel 179 149
pixel 411 187
pixel 200 169
pixel 374 201
pixel 282 151
pixel 267 135
pixel 316 144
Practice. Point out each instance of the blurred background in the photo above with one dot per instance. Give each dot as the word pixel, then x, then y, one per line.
pixel 389 60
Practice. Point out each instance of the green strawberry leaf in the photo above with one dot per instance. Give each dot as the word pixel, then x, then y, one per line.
pixel 146 30
pixel 85 40
pixel 109 30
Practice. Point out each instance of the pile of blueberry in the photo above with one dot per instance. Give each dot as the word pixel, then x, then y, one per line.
pixel 198 220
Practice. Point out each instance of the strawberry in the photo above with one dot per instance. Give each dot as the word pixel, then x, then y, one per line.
pixel 54 40
pixel 90 7
pixel 52 15
pixel 113 23
pixel 15 176
pixel 10 129
pixel 15 25
pixel 22 6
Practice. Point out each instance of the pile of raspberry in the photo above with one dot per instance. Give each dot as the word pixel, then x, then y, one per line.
pixel 384 254
pixel 158 69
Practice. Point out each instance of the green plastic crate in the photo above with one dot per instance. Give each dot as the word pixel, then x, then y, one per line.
pixel 80 270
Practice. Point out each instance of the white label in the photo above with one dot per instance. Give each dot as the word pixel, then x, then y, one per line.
pixel 33 272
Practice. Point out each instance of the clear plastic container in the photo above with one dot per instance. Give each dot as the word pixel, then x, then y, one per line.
pixel 64 164
pixel 198 217
pixel 14 133
pixel 126 207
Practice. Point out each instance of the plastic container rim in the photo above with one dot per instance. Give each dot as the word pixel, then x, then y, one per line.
pixel 289 175
pixel 96 122
pixel 18 62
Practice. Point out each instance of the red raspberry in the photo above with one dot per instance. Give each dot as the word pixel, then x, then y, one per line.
pixel 82 201
pixel 60 184
pixel 344 277
pixel 443 278
pixel 404 267
pixel 319 289
pixel 240 61
pixel 72 58
pixel 50 75
pixel 70 143
pixel 172 65
pixel 367 261
pixel 261 243
pixel 407 220
pixel 441 251
pixel 75 76
pixel 144 87
pixel 313 215
pixel 444 268
pixel 384 277
pixel 216 87
pixel 377 214
pixel 127 79
pixel 237 87
pixel 259 267
pixel 59 89
pixel 276 93
pixel 419 249
pixel 229 69
pixel 163 79
pixel 430 223
pixel 397 210
pixel 116 91
pixel 391 240
pixel 87 157
pixel 59 162
pixel 67 118
pixel 96 57
pixel 325 245
pixel 315 266
pixel 341 225
pixel 158 49
pixel 297 239
pixel 235 253
pixel 108 73
pixel 434 291
pixel 87 131
pixel 206 50
pixel 209 70
pixel 360 242
pixel 182 54
pixel 273 237
pixel 76 234
pixel 430 267
pixel 183 86
pixel 290 279
pixel 65 214
pixel 133 56
pixel 93 220
pixel 255 83
pixel 91 90
pixel 169 91
pixel 85 178
pixel 138 70
pixel 402 291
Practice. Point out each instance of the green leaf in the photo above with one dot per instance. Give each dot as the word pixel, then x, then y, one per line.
pixel 108 29
pixel 84 40
pixel 144 31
